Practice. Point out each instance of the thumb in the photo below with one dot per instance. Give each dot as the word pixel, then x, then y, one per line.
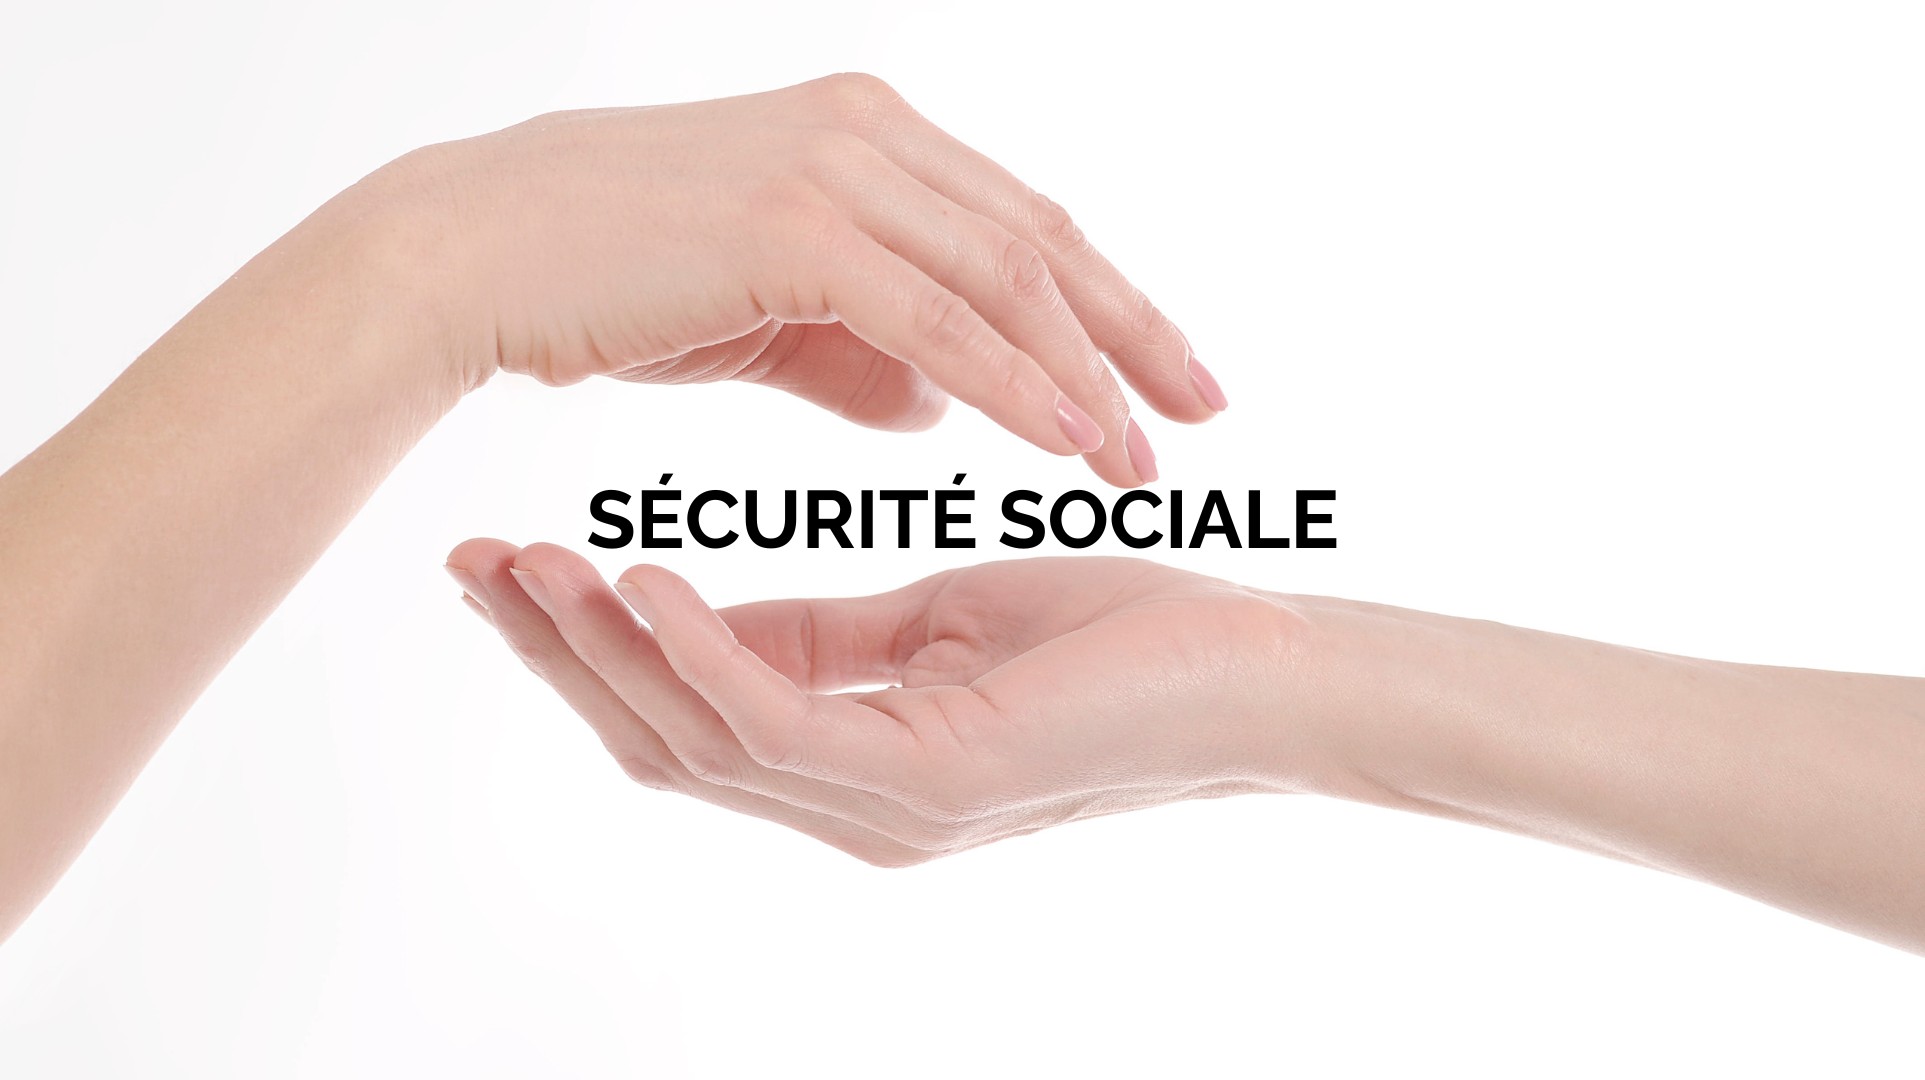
pixel 824 363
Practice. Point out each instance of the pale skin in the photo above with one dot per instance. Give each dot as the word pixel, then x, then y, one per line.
pixel 827 240
pixel 1021 695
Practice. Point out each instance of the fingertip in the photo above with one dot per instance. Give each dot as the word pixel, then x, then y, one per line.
pixel 1112 464
pixel 643 586
pixel 895 397
pixel 473 592
pixel 925 411
pixel 916 408
pixel 648 577
pixel 558 563
pixel 534 588
pixel 637 600
pixel 1177 392
pixel 1206 386
pixel 480 552
pixel 1163 369
pixel 1182 407
pixel 541 551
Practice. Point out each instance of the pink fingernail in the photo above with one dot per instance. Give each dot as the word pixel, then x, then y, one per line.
pixel 470 585
pixel 1078 426
pixel 1206 387
pixel 532 584
pixel 476 607
pixel 637 600
pixel 1142 458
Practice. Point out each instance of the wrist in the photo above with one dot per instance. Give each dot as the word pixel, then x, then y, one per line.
pixel 387 244
pixel 1370 703
pixel 1488 723
pixel 1298 717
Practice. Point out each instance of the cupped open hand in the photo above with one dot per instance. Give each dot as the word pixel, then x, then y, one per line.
pixel 1017 695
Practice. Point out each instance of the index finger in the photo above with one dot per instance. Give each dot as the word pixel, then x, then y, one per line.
pixel 1148 350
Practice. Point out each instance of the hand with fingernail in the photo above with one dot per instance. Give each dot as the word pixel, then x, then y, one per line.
pixel 824 239
pixel 1022 694
pixel 1016 696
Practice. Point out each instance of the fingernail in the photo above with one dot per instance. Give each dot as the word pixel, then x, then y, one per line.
pixel 476 607
pixel 636 600
pixel 1142 458
pixel 531 584
pixel 1206 387
pixel 1078 426
pixel 470 585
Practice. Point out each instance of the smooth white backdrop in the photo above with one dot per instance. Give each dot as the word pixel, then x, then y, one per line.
pixel 1600 318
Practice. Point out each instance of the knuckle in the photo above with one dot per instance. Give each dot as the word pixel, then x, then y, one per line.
pixel 1054 224
pixel 854 98
pixel 1145 323
pixel 1024 273
pixel 926 406
pixel 944 319
pixel 1012 378
pixel 541 122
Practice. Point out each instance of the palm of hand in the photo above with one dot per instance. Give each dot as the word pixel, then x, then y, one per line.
pixel 1028 693
pixel 1051 677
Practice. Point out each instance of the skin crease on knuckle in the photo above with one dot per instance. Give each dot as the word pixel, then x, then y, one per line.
pixel 1024 273
pixel 945 320
pixel 1026 277
pixel 1149 328
pixel 1056 228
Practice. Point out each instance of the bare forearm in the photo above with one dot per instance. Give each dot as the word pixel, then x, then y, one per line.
pixel 147 539
pixel 1804 789
pixel 800 238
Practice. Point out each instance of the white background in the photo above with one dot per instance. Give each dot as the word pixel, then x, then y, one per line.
pixel 1601 318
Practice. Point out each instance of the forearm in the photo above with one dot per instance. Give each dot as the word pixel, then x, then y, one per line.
pixel 1804 789
pixel 147 539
